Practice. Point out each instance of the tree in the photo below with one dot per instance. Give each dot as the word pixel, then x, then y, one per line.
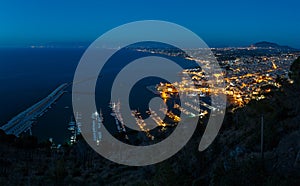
pixel 295 71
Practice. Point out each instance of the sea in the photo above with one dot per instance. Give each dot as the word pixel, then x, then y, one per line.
pixel 27 75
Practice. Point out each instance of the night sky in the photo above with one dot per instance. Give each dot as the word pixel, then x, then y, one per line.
pixel 218 22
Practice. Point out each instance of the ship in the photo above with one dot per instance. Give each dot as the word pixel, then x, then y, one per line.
pixel 118 117
pixel 75 127
pixel 97 121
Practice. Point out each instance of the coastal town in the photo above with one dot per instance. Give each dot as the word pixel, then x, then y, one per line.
pixel 249 74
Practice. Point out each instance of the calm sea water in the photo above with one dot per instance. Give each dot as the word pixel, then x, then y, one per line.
pixel 28 75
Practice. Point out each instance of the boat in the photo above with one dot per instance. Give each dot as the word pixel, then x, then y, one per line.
pixel 72 125
pixel 118 117
pixel 73 128
pixel 97 121
pixel 202 94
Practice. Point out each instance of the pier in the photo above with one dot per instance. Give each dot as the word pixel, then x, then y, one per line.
pixel 24 120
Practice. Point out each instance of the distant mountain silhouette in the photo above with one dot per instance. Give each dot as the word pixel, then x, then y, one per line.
pixel 265 44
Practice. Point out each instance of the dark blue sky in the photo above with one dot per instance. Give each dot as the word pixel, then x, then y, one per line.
pixel 218 22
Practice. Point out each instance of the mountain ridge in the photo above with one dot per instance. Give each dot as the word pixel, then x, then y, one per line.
pixel 266 44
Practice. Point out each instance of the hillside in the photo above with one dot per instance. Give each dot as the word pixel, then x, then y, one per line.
pixel 267 45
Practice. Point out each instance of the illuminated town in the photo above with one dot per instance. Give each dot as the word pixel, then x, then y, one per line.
pixel 246 77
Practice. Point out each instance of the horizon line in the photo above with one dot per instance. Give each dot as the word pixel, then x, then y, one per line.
pixel 86 44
